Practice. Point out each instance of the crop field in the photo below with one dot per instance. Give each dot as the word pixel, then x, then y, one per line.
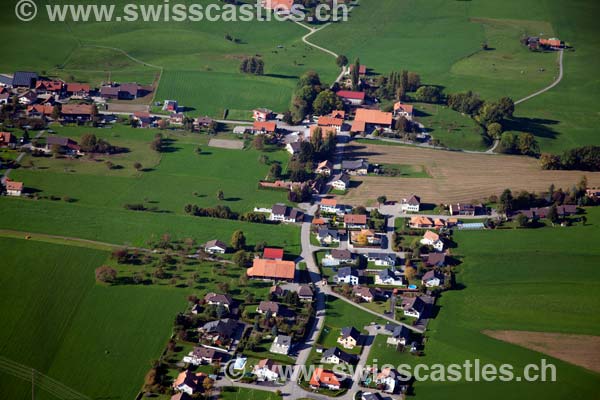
pixel 58 321
pixel 455 176
pixel 540 280
pixel 442 40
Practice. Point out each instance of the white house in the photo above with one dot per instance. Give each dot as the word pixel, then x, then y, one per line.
pixel 328 236
pixel 324 168
pixel 283 213
pixel 281 345
pixel 216 299
pixel 340 182
pixel 403 110
pixel 433 279
pixel 266 370
pixel 328 206
pixel 432 239
pixel 412 204
pixel 346 275
pixel 262 114
pixel 14 188
pixel 400 334
pixel 336 356
pixel 215 247
pixel 413 306
pixel 293 148
pixel 386 378
pixel 388 277
pixel 338 257
pixel 382 259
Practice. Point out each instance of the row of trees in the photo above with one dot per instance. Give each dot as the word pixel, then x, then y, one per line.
pixel 89 143
pixel 252 65
pixel 586 158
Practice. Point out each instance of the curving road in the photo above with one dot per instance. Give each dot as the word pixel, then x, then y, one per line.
pixel 556 82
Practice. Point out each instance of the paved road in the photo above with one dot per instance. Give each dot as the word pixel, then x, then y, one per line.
pixel 556 82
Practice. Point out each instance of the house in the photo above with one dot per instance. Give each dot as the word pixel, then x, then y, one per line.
pixel 365 237
pixel 432 239
pixel 355 221
pixel 77 112
pixel 552 43
pixel 382 259
pixel 412 204
pixel 403 110
pixel 262 114
pixel 371 396
pixel 40 110
pixel 562 211
pixel 77 90
pixel 365 293
pixel 338 257
pixel 593 194
pixel 358 127
pixel 399 334
pixel 388 277
pixel 294 147
pixel 283 213
pixel 65 144
pixel 266 370
pixel 328 205
pixel 347 275
pixel 215 247
pixel 216 299
pixel 126 91
pixel 324 168
pixel 272 269
pixel 271 253
pixel 219 330
pixel 413 306
pixel 305 293
pixel 49 87
pixel 324 379
pixel 435 259
pixel 269 307
pixel 281 345
pixel 144 118
pixel 433 278
pixel 328 236
pixel 349 337
pixel 386 378
pixel 24 79
pixel 466 209
pixel 189 382
pixel 335 355
pixel 5 81
pixel 176 119
pixel 170 105
pixel 203 122
pixel 13 188
pixel 264 127
pixel 331 122
pixel 375 118
pixel 420 222
pixel 340 182
pixel 7 139
pixel 4 98
pixel 203 355
pixel 439 223
pixel 27 98
pixel 351 97
pixel 355 167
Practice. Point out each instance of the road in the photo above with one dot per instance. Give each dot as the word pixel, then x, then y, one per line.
pixel 556 82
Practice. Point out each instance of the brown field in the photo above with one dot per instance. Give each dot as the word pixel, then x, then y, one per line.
pixel 455 176
pixel 582 350
pixel 226 144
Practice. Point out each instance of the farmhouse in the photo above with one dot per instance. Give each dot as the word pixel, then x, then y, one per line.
pixel 49 87
pixel 14 188
pixel 375 118
pixel 189 382
pixel 281 345
pixel 324 379
pixel 355 221
pixel 403 110
pixel 81 90
pixel 349 337
pixel 433 278
pixel 331 122
pixel 382 259
pixel 347 275
pixel 39 110
pixel 412 204
pixel 561 211
pixel 413 306
pixel 283 213
pixel 264 127
pixel 334 355
pixel 215 299
pixel 432 239
pixel 203 122
pixel 271 253
pixel 272 269
pixel 338 257
pixel 266 370
pixel 351 98
pixel 65 144
pixel 324 168
pixel 125 91
pixel 355 167
pixel 215 247
pixel 340 182
pixel 358 127
pixel 77 112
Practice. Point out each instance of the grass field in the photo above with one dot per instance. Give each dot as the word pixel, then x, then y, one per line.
pixel 58 321
pixel 455 176
pixel 535 280
pixel 248 394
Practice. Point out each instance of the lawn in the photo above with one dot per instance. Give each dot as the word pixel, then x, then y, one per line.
pixel 535 280
pixel 247 394
pixel 57 320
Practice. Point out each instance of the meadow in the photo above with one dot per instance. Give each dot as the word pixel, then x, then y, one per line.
pixel 534 280
pixel 95 339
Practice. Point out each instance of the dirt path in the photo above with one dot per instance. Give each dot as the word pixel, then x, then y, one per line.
pixel 556 82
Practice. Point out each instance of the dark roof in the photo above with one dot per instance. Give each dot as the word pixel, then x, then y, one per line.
pixel 6 80
pixel 323 232
pixel 283 340
pixel 24 78
pixel 206 352
pixel 433 274
pixel 218 298
pixel 351 331
pixel 271 306
pixel 217 243
pixel 305 291
pixel 415 303
pixel 371 396
pixel 382 256
pixel 296 146
pixel 341 254
pixel 342 355
pixel 414 200
pixel 354 164
pixel 387 273
pixel 279 209
pixel 436 259
pixel 225 327
pixel 346 271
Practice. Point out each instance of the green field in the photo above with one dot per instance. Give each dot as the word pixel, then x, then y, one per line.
pixel 535 280
pixel 248 394
pixel 442 40
pixel 97 340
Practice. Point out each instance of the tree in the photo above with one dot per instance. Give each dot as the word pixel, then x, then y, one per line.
pixel 220 195
pixel 137 165
pixel 241 258
pixel 494 130
pixel 106 274
pixel 326 102
pixel 507 106
pixel 506 201
pixel 381 199
pixel 341 60
pixel 522 220
pixel 259 142
pixel 553 214
pixel 409 272
pixel 355 74
pixel 238 240
pixel 527 144
pixel 275 171
pixel 429 94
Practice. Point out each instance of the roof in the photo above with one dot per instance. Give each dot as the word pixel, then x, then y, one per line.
pixel 264 126
pixel 358 126
pixel 49 85
pixel 382 256
pixel 352 95
pixel 421 220
pixel 269 306
pixel 415 303
pixel 430 235
pixel 432 274
pixel 305 291
pixel 355 219
pixel 78 87
pixel 341 177
pixel 342 355
pixel 438 259
pixel 364 291
pixel 216 243
pixel 218 298
pixel 318 221
pixel 326 120
pixel 350 331
pixel 6 80
pixel 272 253
pixel 346 271
pixel 320 376
pixel 76 109
pixel 6 137
pixel 24 78
pixel 338 114
pixel 205 352
pixel 272 269
pixel 355 164
pixel 13 185
pixel 341 254
pixel 413 200
pixel 225 327
pixel 329 202
pixel 109 91
pixel 373 116
pixel 407 108
pixel 283 340
pixel 325 164
pixel 45 109
pixel 398 330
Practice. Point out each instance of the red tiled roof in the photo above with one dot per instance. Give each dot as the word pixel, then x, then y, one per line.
pixel 278 4
pixel 78 87
pixel 358 126
pixel 349 94
pixel 262 268
pixel 355 219
pixel 272 253
pixel 264 126
pixel 330 121
pixel 373 116
pixel 12 185
pixel 321 376
pixel 408 108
